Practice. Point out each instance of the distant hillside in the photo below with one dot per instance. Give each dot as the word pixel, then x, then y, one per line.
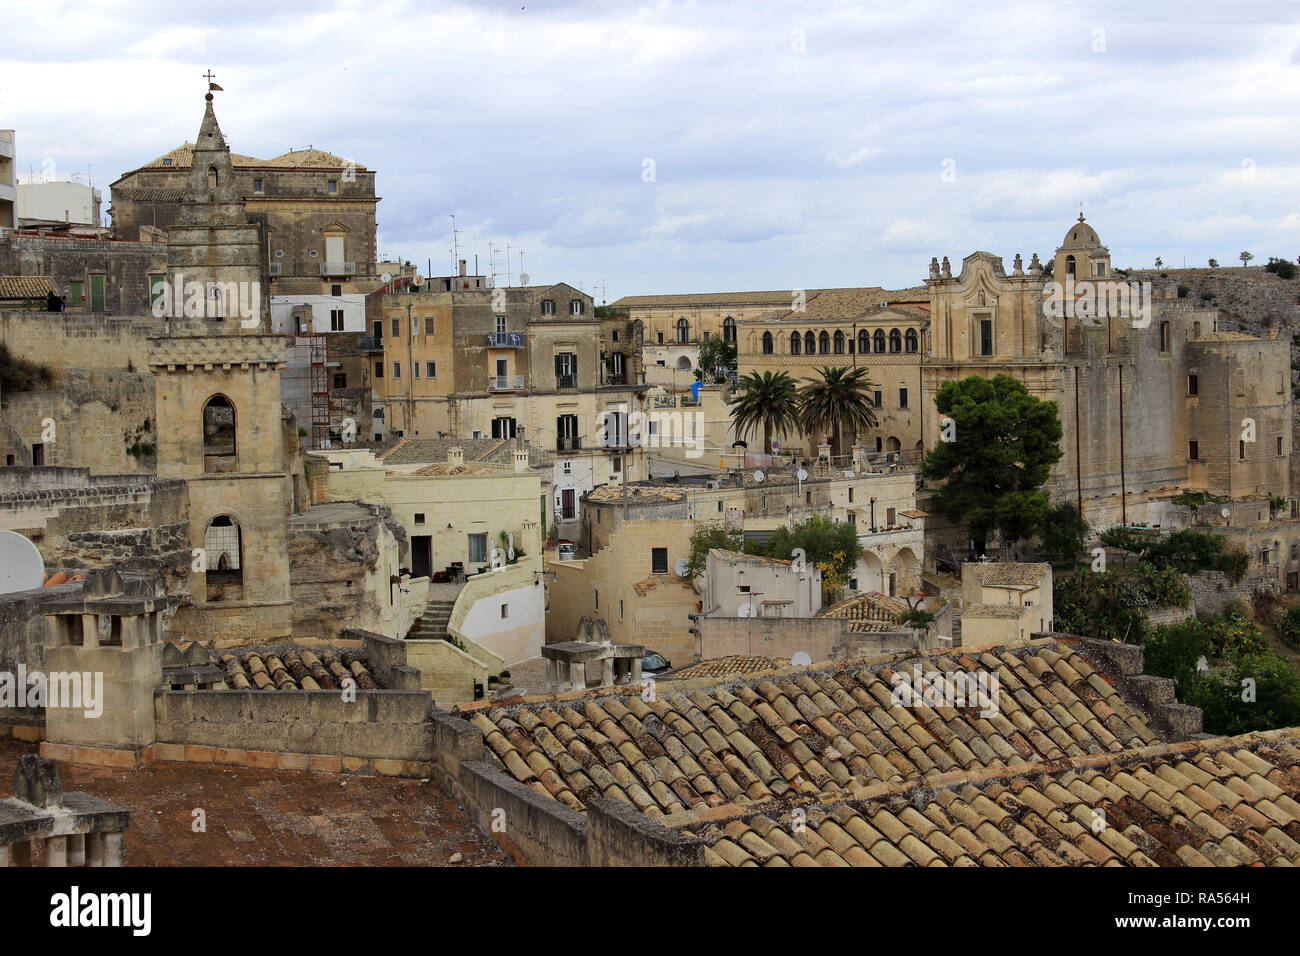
pixel 1253 301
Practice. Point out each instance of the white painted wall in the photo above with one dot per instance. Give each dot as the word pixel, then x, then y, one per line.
pixel 59 201
pixel 353 306
pixel 516 637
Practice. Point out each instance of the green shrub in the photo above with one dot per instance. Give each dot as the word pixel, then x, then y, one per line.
pixel 1288 627
pixel 1229 705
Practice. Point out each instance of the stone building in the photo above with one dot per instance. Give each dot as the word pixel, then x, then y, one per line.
pixel 218 408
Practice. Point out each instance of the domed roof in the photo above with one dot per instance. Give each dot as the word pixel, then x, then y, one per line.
pixel 1081 236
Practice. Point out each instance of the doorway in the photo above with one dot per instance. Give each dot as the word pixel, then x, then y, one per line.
pixel 421 556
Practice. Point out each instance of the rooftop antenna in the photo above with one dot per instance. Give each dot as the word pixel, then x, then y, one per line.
pixel 455 247
pixel 508 273
pixel 522 273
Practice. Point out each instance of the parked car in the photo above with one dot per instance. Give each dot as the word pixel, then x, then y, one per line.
pixel 568 551
pixel 652 662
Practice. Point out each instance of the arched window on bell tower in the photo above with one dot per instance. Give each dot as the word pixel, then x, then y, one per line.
pixel 1069 266
pixel 220 453
pixel 223 548
pixel 212 177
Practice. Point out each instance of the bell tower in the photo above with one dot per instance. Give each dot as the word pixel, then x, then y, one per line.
pixel 217 387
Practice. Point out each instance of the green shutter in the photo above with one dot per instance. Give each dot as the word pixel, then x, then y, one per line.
pixel 97 293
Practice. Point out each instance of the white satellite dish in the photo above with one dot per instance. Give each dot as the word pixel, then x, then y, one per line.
pixel 681 567
pixel 746 610
pixel 386 277
pixel 801 659
pixel 21 566
pixel 1226 512
pixel 759 476
pixel 523 278
pixel 802 475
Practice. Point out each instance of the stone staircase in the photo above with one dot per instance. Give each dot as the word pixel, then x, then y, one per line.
pixel 432 625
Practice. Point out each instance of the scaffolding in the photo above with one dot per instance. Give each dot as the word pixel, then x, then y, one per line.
pixel 320 394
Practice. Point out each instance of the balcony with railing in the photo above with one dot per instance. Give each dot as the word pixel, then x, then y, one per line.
pixel 371 343
pixel 566 381
pixel 505 383
pixel 505 340
pixel 338 268
pixel 568 443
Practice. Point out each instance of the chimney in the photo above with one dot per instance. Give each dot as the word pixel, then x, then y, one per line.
pixel 455 456
pixel 521 459
pixel 859 457
pixel 462 267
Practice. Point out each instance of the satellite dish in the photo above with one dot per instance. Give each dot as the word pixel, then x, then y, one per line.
pixel 386 277
pixel 802 475
pixel 681 567
pixel 21 566
pixel 1226 512
pixel 759 476
pixel 523 278
pixel 802 659
pixel 746 610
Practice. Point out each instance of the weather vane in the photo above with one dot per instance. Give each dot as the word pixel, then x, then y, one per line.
pixel 211 86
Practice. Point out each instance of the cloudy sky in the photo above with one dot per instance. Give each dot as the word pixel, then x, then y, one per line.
pixel 692 147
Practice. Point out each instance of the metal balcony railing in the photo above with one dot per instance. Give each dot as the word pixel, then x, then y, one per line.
pixel 276 268
pixel 338 268
pixel 370 343
pixel 505 383
pixel 566 381
pixel 568 443
pixel 505 340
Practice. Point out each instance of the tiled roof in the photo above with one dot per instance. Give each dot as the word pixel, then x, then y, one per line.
pixel 182 157
pixel 309 158
pixel 24 287
pixel 1223 802
pixel 839 304
pixel 749 559
pixel 445 469
pixel 1009 573
pixel 995 610
pixel 407 451
pixel 867 297
pixel 149 194
pixel 914 513
pixel 296 669
pixel 644 587
pixel 734 666
pixel 872 611
pixel 637 493
pixel 805 732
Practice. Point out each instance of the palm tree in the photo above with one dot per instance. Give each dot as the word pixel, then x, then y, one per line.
pixel 769 401
pixel 839 402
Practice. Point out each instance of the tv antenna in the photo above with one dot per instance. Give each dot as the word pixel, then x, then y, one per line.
pixel 455 247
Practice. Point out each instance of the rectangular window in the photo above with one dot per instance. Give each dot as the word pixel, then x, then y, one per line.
pixel 1193 385
pixel 336 320
pixel 430 324
pixel 889 517
pixel 333 187
pixel 501 325
pixel 719 507
pixel 620 609
pixel 853 517
pixel 340 380
pixel 661 341
pixel 566 432
pixel 577 307
pixel 415 370
pixel 430 369
pixel 257 185
pixel 397 370
pixel 477 544
pixel 379 370
pixel 38 455
pixel 986 336
pixel 1279 445
pixel 503 427
pixel 333 248
pixel 880 399
pixel 505 611
pixel 597 600
pixel 1194 450
pixel 97 300
pixel 902 398
pixel 658 560
pixel 548 307
pixel 1241 450
pixel 76 297
pixel 1164 336
pixel 566 370
pixel 336 289
pixel 615 335
pixel 850 496
pixel 616 464
pixel 397 328
pixel 419 517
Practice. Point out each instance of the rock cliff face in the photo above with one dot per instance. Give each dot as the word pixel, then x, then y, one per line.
pixel 1254 301
pixel 333 572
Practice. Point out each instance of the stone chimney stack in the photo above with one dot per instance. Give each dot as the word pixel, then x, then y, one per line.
pixel 455 456
pixel 521 459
